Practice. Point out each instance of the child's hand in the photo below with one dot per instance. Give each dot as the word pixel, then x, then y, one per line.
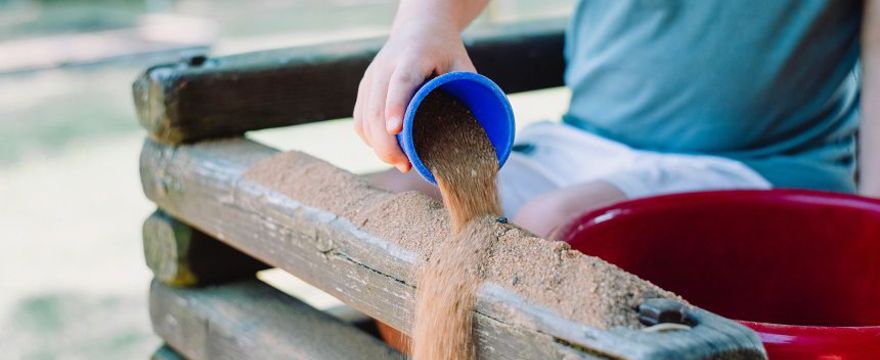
pixel 415 51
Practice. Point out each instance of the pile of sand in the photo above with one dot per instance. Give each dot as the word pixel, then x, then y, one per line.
pixel 548 273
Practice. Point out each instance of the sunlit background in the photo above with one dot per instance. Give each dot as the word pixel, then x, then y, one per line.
pixel 72 278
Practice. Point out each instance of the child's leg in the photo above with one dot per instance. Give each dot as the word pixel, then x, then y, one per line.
pixel 546 212
pixel 647 174
pixel 518 182
pixel 541 210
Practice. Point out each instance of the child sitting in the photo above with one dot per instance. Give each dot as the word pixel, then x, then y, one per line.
pixel 667 96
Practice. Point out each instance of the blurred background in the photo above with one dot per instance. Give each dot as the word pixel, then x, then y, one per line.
pixel 72 277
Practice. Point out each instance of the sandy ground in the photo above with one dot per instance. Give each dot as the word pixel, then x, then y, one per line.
pixel 72 278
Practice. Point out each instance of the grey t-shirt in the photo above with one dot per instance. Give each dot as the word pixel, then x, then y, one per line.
pixel 772 83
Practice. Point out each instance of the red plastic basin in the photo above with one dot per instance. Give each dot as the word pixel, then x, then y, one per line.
pixel 801 268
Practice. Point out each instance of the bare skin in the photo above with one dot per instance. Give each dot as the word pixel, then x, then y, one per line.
pixel 542 215
pixel 545 213
pixel 425 40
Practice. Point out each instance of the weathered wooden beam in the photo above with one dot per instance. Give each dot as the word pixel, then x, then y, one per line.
pixel 179 255
pixel 329 228
pixel 251 320
pixel 203 98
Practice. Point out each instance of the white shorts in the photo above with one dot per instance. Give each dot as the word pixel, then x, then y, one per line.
pixel 549 156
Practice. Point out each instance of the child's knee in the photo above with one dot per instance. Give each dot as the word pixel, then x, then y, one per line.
pixel 545 213
pixel 542 215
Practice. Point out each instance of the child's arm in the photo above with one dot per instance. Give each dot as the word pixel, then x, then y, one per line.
pixel 870 126
pixel 425 39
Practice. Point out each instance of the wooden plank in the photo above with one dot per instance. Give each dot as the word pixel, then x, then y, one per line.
pixel 344 255
pixel 208 98
pixel 179 255
pixel 251 320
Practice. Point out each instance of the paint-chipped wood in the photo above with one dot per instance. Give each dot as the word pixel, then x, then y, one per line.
pixel 203 184
pixel 251 320
pixel 179 255
pixel 229 95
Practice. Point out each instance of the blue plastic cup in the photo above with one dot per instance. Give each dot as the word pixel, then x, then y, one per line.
pixel 482 96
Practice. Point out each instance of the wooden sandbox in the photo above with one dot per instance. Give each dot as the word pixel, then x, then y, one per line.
pixel 229 207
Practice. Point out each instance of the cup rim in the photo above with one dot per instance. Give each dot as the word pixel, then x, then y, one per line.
pixel 407 143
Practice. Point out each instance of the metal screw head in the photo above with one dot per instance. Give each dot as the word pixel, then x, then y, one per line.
pixel 664 311
pixel 197 60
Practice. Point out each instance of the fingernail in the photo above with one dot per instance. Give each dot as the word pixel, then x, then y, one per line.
pixel 393 125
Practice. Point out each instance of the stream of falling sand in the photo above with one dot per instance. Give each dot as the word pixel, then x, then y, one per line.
pixel 457 151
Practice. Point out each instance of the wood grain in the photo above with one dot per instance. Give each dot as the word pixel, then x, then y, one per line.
pixel 204 185
pixel 217 97
pixel 179 255
pixel 251 320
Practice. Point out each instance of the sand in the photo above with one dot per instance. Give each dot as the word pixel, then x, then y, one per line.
pixel 545 273
pixel 455 148
pixel 446 292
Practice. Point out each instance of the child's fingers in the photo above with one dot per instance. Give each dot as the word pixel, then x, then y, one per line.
pixel 463 64
pixel 404 82
pixel 357 113
pixel 384 145
pixel 388 150
pixel 374 112
pixel 359 129
pixel 374 108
